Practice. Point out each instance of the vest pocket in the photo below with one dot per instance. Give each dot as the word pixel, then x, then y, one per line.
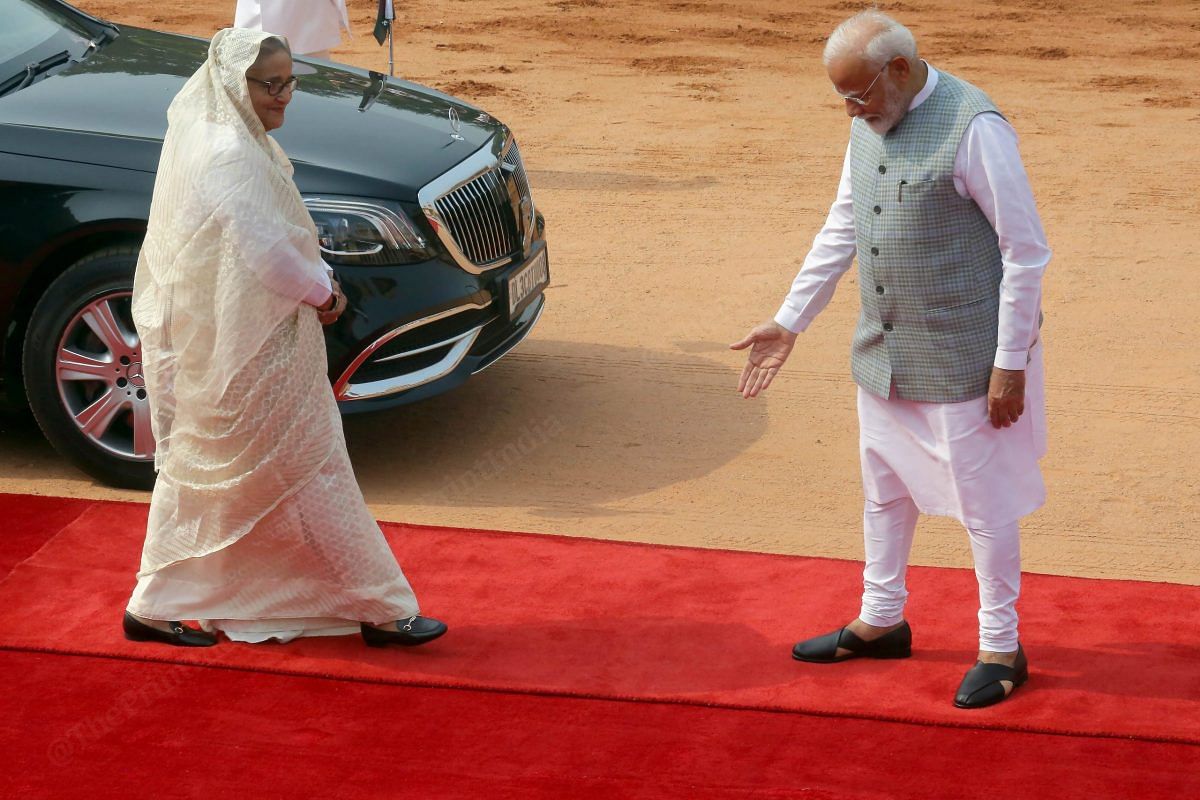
pixel 956 306
pixel 962 319
pixel 912 190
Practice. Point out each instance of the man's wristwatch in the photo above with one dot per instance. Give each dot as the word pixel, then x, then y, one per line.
pixel 331 305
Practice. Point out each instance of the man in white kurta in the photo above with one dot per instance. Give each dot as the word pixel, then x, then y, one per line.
pixel 974 459
pixel 311 27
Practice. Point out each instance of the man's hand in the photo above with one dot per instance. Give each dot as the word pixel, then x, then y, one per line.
pixel 770 344
pixel 1006 396
pixel 330 313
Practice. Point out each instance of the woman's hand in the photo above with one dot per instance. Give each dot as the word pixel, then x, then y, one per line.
pixel 331 311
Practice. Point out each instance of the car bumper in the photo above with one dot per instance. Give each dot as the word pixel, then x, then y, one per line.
pixel 435 350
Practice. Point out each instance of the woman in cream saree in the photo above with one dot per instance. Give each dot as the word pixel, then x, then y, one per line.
pixel 257 527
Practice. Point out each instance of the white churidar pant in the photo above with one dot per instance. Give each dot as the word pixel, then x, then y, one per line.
pixel 946 459
pixel 888 534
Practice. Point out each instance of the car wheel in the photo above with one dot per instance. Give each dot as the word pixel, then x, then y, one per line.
pixel 82 361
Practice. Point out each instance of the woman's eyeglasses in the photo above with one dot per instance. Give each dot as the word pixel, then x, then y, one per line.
pixel 276 88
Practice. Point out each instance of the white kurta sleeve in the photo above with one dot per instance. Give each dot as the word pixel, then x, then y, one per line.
pixel 988 165
pixel 832 253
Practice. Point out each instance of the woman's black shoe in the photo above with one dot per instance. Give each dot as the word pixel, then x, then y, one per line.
pixel 409 632
pixel 823 649
pixel 981 685
pixel 180 635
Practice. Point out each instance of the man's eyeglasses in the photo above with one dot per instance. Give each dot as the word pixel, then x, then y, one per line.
pixel 276 88
pixel 863 98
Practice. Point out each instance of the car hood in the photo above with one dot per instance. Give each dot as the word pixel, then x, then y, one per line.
pixel 348 131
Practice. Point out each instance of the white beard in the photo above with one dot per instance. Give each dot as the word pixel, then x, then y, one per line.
pixel 892 112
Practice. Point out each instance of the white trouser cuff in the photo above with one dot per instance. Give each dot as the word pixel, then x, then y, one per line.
pixel 869 616
pixel 998 645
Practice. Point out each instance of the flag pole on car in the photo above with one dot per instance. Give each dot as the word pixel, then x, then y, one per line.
pixel 384 17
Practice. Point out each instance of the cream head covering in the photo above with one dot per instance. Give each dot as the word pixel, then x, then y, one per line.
pixel 230 250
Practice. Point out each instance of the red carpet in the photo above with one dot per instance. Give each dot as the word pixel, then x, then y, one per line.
pixel 30 522
pixel 119 729
pixel 545 630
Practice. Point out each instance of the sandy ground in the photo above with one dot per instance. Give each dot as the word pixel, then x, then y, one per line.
pixel 684 154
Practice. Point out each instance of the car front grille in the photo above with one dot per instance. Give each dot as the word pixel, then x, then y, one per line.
pixel 487 215
pixel 480 218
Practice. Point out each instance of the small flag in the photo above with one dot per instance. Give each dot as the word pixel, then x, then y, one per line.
pixel 383 20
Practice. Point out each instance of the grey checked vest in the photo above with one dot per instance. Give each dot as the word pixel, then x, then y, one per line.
pixel 928 260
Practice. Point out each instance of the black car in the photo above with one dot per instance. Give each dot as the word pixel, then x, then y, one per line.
pixel 421 203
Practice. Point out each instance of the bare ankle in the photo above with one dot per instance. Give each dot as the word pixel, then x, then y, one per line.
pixel 866 631
pixel 994 657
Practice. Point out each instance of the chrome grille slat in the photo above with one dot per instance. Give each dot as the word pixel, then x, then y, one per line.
pixel 499 195
pixel 462 226
pixel 488 243
pixel 461 211
pixel 487 210
pixel 477 208
pixel 513 158
pixel 445 207
pixel 471 231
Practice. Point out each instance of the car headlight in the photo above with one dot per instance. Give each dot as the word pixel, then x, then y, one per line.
pixel 365 232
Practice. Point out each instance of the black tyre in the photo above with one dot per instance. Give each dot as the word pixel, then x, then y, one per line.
pixel 82 363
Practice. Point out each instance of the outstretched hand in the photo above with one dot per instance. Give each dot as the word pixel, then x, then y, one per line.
pixel 770 344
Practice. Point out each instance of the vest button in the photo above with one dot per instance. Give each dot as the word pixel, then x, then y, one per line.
pixel 887 326
pixel 879 290
pixel 874 251
pixel 882 169
pixel 878 210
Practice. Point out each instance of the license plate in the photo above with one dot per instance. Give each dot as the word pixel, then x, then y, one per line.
pixel 527 282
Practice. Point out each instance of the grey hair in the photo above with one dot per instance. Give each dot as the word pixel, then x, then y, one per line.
pixel 873 36
pixel 272 45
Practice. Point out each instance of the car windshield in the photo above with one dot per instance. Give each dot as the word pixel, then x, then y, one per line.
pixel 30 26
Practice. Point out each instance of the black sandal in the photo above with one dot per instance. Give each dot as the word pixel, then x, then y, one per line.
pixel 823 649
pixel 981 685
pixel 180 635
pixel 410 632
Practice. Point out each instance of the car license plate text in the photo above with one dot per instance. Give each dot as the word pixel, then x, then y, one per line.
pixel 525 282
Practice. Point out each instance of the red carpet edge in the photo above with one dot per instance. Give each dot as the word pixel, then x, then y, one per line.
pixel 615 698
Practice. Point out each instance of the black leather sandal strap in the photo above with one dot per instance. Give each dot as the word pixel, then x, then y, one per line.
pixel 983 674
pixel 823 647
pixel 849 640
